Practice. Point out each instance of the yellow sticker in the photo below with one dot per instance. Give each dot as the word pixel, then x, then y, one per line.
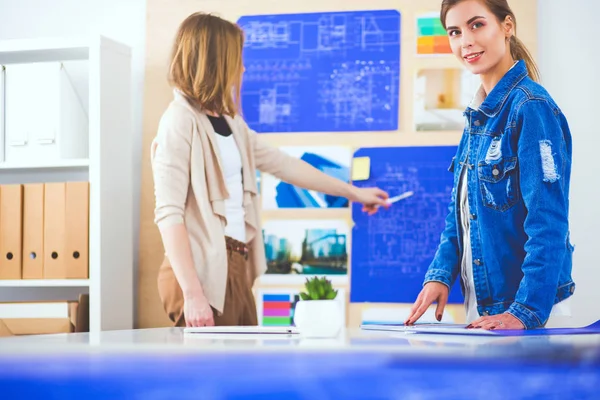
pixel 361 168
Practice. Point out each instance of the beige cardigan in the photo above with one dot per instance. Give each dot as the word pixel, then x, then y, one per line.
pixel 189 188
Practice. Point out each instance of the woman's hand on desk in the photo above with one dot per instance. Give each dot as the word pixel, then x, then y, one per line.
pixel 197 311
pixel 500 321
pixel 431 292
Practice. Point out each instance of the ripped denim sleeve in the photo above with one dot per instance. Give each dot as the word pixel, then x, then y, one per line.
pixel 549 170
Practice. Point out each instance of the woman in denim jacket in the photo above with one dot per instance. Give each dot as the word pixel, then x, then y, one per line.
pixel 507 233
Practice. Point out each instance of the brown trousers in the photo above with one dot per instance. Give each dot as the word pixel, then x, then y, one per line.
pixel 240 307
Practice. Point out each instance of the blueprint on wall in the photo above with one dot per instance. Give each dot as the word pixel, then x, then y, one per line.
pixel 392 249
pixel 319 72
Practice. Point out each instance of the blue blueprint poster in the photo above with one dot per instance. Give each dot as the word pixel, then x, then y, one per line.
pixel 322 72
pixel 392 249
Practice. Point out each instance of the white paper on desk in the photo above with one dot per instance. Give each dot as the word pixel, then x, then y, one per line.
pixel 244 330
pixel 424 327
pixel 438 330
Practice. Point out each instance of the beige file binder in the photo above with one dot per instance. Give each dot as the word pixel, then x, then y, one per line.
pixel 66 230
pixel 77 229
pixel 11 231
pixel 33 231
pixel 55 266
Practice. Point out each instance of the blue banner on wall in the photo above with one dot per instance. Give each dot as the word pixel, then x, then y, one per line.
pixel 322 72
pixel 392 249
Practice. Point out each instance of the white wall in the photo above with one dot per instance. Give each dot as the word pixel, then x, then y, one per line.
pixel 121 20
pixel 569 57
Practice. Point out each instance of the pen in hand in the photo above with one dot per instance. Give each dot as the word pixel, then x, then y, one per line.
pixel 402 196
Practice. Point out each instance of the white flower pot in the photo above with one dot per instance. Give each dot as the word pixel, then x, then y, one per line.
pixel 318 318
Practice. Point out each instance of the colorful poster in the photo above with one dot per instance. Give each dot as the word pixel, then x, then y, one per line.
pixel 431 37
pixel 276 306
pixel 333 161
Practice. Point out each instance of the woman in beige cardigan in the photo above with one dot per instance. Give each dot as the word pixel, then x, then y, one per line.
pixel 204 159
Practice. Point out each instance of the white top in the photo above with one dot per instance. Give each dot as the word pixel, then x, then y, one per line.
pixel 466 267
pixel 561 309
pixel 232 170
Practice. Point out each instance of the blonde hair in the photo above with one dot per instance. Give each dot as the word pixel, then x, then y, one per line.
pixel 501 10
pixel 206 63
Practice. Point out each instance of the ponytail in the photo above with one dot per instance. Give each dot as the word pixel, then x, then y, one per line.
pixel 518 51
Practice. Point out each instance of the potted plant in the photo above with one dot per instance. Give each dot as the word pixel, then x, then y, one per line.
pixel 318 313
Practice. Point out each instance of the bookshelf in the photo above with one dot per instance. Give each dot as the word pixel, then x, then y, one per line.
pixel 103 158
pixel 58 283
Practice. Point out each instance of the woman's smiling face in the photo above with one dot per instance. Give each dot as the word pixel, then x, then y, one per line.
pixel 477 39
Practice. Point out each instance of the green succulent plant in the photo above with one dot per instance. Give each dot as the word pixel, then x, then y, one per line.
pixel 318 289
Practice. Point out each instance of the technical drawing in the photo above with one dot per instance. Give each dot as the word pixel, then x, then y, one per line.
pixel 320 72
pixel 392 249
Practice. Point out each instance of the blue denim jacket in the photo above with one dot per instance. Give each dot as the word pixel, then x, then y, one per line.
pixel 517 148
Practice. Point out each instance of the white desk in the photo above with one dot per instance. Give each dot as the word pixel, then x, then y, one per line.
pixel 164 364
pixel 350 340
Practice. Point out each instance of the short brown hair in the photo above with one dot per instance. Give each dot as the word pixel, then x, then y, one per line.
pixel 206 63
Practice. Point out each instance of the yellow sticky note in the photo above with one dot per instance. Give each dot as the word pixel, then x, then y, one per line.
pixel 361 168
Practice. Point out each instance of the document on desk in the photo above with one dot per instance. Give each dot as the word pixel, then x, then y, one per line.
pixel 454 329
pixel 242 330
pixel 433 327
pixel 460 329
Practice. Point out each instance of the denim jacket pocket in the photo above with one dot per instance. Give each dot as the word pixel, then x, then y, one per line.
pixel 499 183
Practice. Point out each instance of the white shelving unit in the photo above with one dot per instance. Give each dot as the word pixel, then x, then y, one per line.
pixel 108 168
pixel 77 162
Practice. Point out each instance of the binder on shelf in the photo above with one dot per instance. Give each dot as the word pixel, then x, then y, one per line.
pixel 46 111
pixel 11 231
pixel 77 229
pixel 33 231
pixel 54 231
pixel 66 230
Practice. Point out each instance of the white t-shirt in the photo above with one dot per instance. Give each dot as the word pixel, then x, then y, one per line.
pixel 232 171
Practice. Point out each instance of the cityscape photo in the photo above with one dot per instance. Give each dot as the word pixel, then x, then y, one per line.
pixel 306 247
